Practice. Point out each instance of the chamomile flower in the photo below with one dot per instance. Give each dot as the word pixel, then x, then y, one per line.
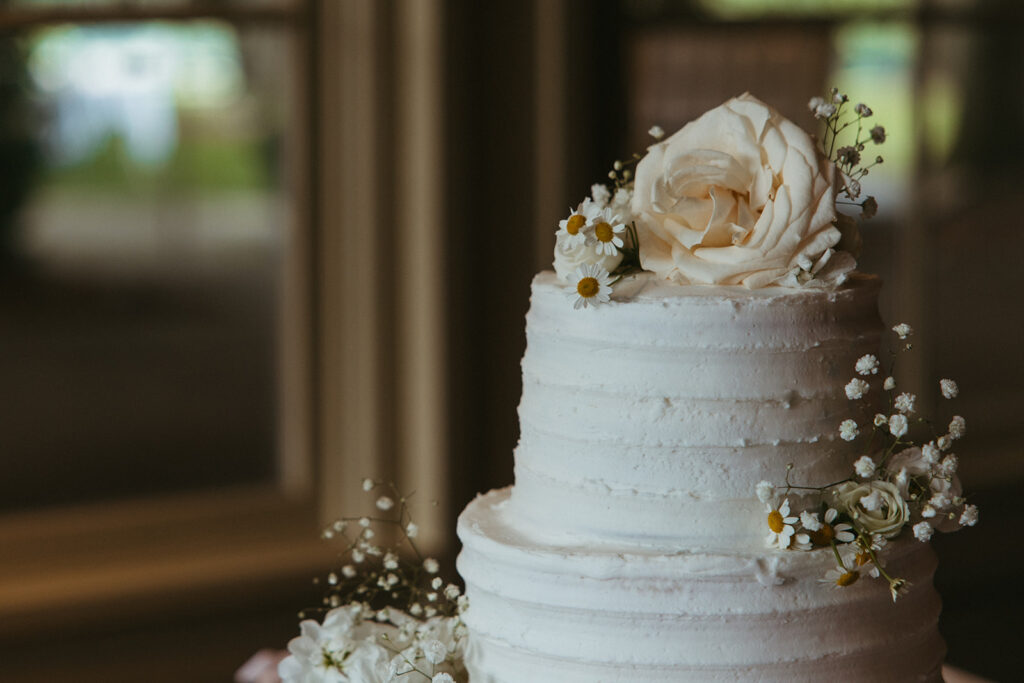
pixel 573 231
pixel 781 531
pixel 829 531
pixel 608 229
pixel 841 577
pixel 592 286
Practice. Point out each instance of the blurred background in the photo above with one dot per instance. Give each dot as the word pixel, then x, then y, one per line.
pixel 253 251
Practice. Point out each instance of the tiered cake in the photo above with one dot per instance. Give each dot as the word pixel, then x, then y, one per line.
pixel 632 546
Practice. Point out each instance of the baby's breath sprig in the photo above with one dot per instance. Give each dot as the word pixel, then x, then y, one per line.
pixel 851 158
pixel 396 576
pixel 896 483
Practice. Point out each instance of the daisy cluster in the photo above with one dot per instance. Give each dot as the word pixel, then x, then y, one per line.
pixel 386 614
pixel 596 245
pixel 898 483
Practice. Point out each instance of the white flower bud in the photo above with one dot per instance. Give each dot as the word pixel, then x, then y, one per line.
pixel 867 365
pixel 810 521
pixel 949 388
pixel 957 427
pixel 969 517
pixel 923 531
pixel 898 425
pixel 856 389
pixel 864 466
pixel 905 402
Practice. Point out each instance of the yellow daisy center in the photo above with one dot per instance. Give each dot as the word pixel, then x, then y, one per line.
pixel 603 232
pixel 574 224
pixel 775 521
pixel 862 559
pixel 824 535
pixel 588 287
pixel 847 579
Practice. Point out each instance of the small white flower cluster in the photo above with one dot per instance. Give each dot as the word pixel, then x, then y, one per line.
pixel 357 644
pixel 898 485
pixel 597 244
pixel 417 636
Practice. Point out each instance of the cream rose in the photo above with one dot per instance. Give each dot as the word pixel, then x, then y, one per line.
pixel 739 196
pixel 883 512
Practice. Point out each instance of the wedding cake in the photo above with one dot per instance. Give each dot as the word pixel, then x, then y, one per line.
pixel 709 457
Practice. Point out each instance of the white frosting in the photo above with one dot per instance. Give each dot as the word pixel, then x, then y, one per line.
pixel 653 419
pixel 631 547
pixel 566 614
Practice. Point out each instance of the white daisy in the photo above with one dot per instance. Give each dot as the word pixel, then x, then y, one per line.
pixel 780 524
pixel 573 231
pixel 592 286
pixel 841 577
pixel 842 532
pixel 607 231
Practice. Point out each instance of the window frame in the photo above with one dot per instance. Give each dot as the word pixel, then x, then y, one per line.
pixel 75 567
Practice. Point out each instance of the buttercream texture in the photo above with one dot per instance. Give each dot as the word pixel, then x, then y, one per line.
pixel 631 547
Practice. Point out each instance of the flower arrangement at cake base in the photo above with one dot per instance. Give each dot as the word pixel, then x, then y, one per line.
pixel 386 615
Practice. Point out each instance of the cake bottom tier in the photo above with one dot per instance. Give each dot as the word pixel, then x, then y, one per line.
pixel 563 613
